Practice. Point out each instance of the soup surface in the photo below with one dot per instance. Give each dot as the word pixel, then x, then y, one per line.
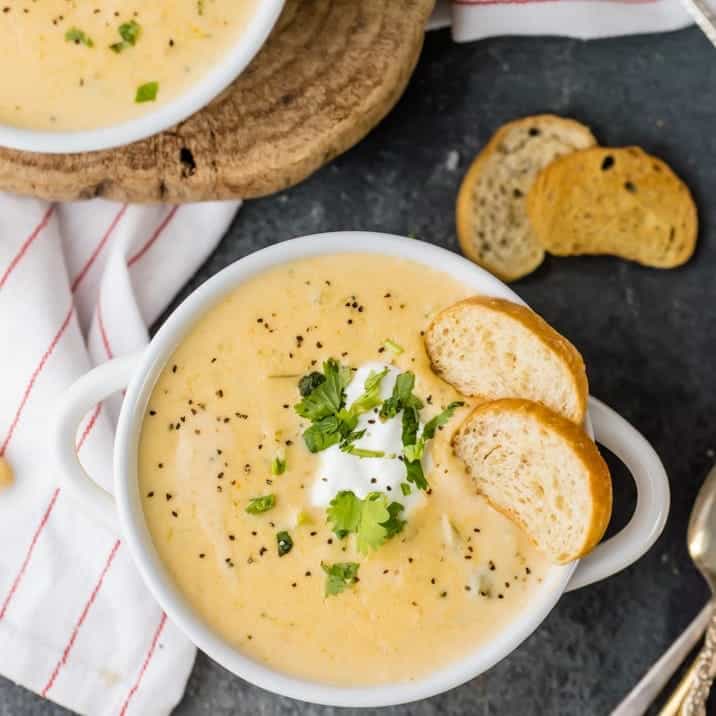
pixel 221 429
pixel 81 65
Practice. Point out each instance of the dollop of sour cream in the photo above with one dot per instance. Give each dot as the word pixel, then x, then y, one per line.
pixel 338 470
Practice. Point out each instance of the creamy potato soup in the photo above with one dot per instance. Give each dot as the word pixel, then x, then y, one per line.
pixel 298 482
pixel 79 65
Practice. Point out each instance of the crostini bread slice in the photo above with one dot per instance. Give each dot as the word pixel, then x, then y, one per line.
pixel 541 471
pixel 614 201
pixel 491 212
pixel 492 348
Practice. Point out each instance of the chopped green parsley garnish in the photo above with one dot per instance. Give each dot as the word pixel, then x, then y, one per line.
pixel 401 397
pixel 326 432
pixel 415 450
pixel 370 398
pixel 284 542
pixel 414 473
pixel 310 382
pixel 332 423
pixel 327 396
pixel 257 505
pixel 394 347
pixel 405 489
pixel 362 452
pixel 404 399
pixel 147 92
pixel 440 419
pixel 324 404
pixel 344 512
pixel 373 520
pixel 339 576
pixel 278 464
pixel 129 32
pixel 411 422
pixel 79 37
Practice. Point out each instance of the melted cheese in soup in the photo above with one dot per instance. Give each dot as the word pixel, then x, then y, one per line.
pixel 221 423
pixel 85 65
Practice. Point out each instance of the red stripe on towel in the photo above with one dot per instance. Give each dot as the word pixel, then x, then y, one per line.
pixel 83 615
pixel 33 378
pixel 157 233
pixel 88 265
pixel 45 517
pixel 88 429
pixel 103 332
pixel 26 245
pixel 147 659
pixel 26 561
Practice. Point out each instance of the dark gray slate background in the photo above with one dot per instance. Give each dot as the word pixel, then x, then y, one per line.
pixel 648 336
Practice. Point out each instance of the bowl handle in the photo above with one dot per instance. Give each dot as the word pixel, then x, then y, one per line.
pixel 74 404
pixel 652 498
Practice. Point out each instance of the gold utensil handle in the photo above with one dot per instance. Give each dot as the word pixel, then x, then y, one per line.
pixel 638 700
pixel 673 705
pixel 698 692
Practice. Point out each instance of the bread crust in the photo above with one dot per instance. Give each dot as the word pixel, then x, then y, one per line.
pixel 600 483
pixel 464 204
pixel 547 335
pixel 568 191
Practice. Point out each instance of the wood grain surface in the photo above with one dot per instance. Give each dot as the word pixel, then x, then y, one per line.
pixel 331 70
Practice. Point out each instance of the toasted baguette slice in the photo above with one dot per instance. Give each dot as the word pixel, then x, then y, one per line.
pixel 614 201
pixel 491 348
pixel 491 215
pixel 541 471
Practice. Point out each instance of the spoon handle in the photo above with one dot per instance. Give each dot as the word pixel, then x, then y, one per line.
pixel 698 694
pixel 673 706
pixel 643 694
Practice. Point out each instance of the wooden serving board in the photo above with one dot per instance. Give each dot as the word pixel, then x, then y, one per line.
pixel 331 70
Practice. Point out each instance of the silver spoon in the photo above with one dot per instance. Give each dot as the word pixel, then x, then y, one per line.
pixel 702 548
pixel 701 540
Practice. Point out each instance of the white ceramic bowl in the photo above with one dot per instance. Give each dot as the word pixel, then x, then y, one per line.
pixel 164 116
pixel 138 374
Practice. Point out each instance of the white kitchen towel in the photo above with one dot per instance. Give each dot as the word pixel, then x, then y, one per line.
pixel 79 284
pixel 475 19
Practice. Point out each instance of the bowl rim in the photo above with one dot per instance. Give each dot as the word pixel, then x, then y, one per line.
pixel 194 98
pixel 136 533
